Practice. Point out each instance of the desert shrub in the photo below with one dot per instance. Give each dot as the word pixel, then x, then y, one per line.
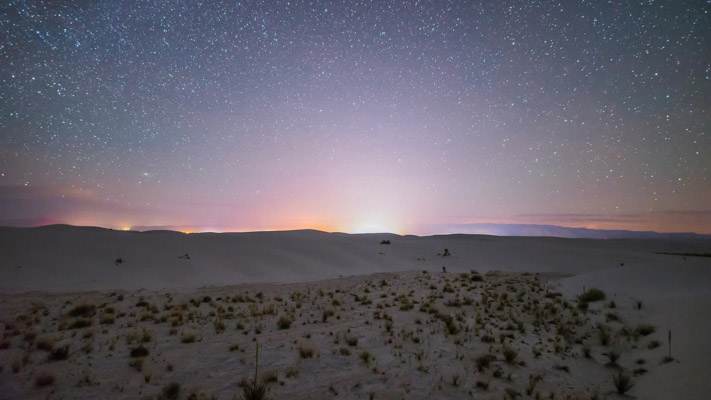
pixel 139 351
pixel 254 391
pixel 592 295
pixel 45 343
pixel 509 354
pixel 171 391
pixel 292 372
pixel 586 352
pixel 59 353
pixel 284 322
pixel 483 361
pixel 653 344
pixel 83 310
pixel 613 317
pixel 80 323
pixel 385 242
pixel 44 379
pixel 326 314
pixel 270 376
pixel 604 335
pixel 613 356
pixel 306 351
pixel 645 329
pixel 532 383
pixel 136 363
pixel 623 382
pixel 352 341
pixel 188 339
pixel 511 393
pixel 365 357
pixel 488 339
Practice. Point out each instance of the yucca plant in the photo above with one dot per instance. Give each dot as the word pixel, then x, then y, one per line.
pixel 623 382
pixel 255 390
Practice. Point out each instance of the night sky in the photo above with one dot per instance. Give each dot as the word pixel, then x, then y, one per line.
pixel 356 115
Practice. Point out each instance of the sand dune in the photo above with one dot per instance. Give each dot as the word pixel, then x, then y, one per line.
pixel 65 258
pixel 424 328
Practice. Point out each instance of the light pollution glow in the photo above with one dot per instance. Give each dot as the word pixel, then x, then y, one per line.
pixel 356 116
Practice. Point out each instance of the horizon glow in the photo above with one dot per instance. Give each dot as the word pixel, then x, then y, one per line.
pixel 356 116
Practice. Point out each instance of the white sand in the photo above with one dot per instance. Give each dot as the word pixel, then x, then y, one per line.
pixel 675 294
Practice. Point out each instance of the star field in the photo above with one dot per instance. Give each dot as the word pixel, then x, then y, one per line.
pixel 356 115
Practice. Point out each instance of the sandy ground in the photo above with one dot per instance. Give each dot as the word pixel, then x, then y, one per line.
pixel 411 332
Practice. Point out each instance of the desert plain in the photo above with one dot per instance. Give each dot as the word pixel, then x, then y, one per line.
pixel 90 313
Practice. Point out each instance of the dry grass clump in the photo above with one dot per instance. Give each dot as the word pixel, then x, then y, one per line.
pixel 645 329
pixel 509 354
pixel 83 310
pixel 139 351
pixel 254 391
pixel 171 391
pixel 59 353
pixel 365 357
pixel 306 351
pixel 623 382
pixel 45 343
pixel 483 361
pixel 44 379
pixel 136 363
pixel 592 295
pixel 284 322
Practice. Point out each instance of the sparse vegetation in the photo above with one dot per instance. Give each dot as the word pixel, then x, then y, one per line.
pixel 592 295
pixel 306 351
pixel 171 391
pixel 645 329
pixel 623 382
pixel 59 353
pixel 417 321
pixel 483 361
pixel 44 379
pixel 284 322
pixel 139 351
pixel 365 357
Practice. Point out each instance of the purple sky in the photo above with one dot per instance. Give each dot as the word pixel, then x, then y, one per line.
pixel 356 115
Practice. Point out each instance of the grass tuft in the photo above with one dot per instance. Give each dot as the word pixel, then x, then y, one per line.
pixel 592 295
pixel 623 382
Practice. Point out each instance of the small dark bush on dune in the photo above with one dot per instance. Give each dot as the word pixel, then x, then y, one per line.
pixel 482 362
pixel 284 322
pixel 623 382
pixel 44 379
pixel 254 391
pixel 83 310
pixel 171 391
pixel 645 329
pixel 592 295
pixel 139 351
pixel 59 353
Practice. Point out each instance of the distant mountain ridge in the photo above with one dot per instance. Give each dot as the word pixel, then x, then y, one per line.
pixel 560 231
pixel 469 229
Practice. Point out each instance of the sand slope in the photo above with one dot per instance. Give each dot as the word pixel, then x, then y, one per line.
pixel 64 258
pixel 60 264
